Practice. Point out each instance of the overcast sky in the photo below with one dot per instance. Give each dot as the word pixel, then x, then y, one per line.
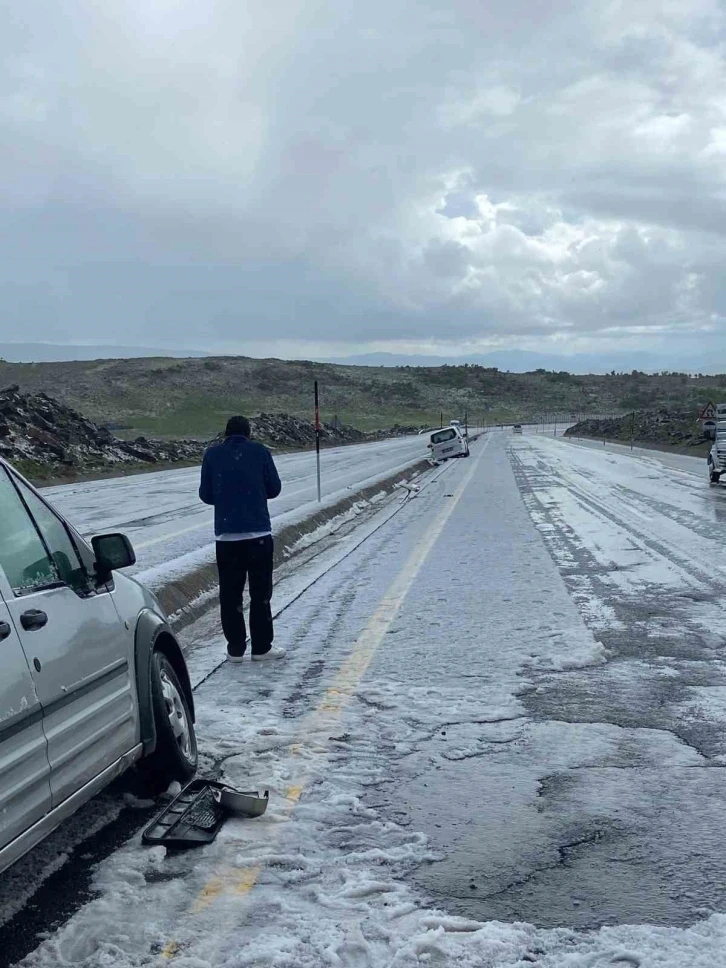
pixel 312 177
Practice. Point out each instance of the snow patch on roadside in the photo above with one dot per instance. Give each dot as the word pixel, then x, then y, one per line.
pixel 197 604
pixel 25 877
pixel 332 526
pixel 177 568
pixel 599 616
pixel 567 650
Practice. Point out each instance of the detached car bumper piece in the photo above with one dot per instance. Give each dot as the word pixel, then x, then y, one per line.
pixel 195 815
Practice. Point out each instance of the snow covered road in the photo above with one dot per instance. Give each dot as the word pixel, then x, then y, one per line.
pixel 164 518
pixel 498 741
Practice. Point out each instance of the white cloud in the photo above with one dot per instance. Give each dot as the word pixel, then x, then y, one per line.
pixel 497 101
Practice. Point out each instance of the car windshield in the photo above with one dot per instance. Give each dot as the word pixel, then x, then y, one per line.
pixel 443 435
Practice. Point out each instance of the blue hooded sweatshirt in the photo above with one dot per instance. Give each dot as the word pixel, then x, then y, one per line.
pixel 238 478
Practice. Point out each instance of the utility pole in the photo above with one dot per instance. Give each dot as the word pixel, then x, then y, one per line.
pixel 632 429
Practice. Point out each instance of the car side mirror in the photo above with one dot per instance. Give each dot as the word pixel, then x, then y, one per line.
pixel 112 551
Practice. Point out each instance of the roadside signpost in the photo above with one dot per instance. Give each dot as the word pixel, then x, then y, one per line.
pixel 317 437
pixel 707 416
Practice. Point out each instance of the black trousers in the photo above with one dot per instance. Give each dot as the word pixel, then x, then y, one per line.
pixel 237 561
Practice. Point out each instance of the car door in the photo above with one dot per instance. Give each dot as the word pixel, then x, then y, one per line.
pixel 78 649
pixel 24 768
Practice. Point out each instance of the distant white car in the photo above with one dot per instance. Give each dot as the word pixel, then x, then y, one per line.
pixel 517 429
pixel 448 443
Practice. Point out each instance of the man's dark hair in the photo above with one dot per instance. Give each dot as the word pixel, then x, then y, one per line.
pixel 238 426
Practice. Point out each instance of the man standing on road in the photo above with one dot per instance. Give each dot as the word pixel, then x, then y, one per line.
pixel 238 478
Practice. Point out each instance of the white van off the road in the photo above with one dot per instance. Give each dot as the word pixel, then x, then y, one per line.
pixel 447 443
pixel 92 678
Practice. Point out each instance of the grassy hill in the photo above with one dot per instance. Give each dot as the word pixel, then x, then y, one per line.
pixel 187 397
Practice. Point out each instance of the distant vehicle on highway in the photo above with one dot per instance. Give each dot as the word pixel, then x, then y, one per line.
pixel 517 429
pixel 92 678
pixel 717 455
pixel 448 443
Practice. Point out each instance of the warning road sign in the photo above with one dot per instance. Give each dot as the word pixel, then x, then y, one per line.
pixel 708 412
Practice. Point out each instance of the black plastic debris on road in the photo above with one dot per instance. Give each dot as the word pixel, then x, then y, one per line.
pixel 195 816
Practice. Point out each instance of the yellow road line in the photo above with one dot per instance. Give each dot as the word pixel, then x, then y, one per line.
pixel 356 665
pixel 294 793
pixel 346 681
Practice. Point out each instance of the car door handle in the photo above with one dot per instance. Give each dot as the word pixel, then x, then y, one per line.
pixel 5 630
pixel 33 619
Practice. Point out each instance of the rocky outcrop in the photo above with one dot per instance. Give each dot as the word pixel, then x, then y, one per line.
pixel 40 430
pixel 41 433
pixel 663 428
pixel 284 430
pixel 395 431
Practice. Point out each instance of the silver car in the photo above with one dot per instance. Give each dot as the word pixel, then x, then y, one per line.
pixel 92 679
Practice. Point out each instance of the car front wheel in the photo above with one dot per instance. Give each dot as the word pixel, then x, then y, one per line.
pixel 175 756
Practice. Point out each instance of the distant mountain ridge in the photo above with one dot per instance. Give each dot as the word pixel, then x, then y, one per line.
pixel 526 361
pixel 514 361
pixel 64 353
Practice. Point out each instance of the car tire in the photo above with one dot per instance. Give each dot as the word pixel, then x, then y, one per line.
pixel 175 756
